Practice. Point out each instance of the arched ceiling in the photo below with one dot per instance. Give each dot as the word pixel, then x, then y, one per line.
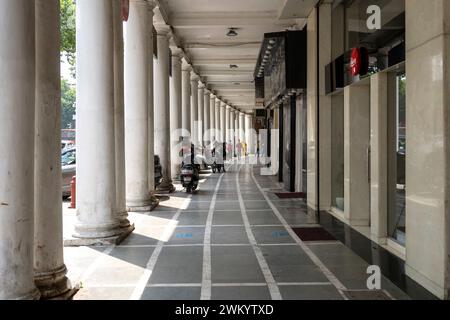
pixel 201 28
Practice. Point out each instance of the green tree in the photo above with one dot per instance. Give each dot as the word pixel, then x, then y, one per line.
pixel 68 31
pixel 68 97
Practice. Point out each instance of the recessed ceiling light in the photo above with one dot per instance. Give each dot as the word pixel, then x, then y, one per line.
pixel 232 32
pixel 233 66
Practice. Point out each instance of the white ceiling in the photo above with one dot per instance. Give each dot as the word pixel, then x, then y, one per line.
pixel 201 27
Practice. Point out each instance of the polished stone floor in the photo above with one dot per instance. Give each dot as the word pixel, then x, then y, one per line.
pixel 233 239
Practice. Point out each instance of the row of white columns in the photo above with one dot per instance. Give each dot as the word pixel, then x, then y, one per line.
pixel 126 101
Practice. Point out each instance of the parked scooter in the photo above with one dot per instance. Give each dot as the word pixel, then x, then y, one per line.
pixel 190 174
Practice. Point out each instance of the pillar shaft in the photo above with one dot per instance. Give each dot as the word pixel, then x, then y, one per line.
pixel 222 122
pixel 137 57
pixel 175 112
pixel 17 104
pixel 212 116
pixel 206 115
pixel 119 115
pixel 217 121
pixel 186 98
pixel 194 108
pixel 201 104
pixel 162 108
pixel 96 186
pixel 50 271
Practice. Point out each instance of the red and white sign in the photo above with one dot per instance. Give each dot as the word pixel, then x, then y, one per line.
pixel 355 62
pixel 125 9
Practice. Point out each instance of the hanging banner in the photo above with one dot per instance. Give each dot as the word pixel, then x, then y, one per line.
pixel 355 61
pixel 125 9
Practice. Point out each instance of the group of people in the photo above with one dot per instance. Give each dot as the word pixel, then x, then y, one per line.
pixel 241 148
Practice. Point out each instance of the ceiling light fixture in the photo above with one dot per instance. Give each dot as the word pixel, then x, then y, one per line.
pixel 233 66
pixel 232 32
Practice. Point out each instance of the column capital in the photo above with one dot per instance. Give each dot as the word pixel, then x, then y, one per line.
pixel 177 52
pixel 194 77
pixel 186 66
pixel 207 91
pixel 201 85
pixel 162 29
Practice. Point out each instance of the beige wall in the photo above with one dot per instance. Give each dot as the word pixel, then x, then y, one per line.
pixel 427 162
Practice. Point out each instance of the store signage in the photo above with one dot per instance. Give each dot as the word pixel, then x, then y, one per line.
pixel 359 61
pixel 125 4
pixel 355 61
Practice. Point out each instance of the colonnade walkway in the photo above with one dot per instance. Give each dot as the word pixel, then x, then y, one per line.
pixel 233 239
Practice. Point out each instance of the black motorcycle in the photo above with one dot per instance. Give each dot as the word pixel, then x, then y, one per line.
pixel 190 172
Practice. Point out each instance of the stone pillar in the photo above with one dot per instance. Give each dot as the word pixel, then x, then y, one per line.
pixel 217 120
pixel 356 161
pixel 233 129
pixel 222 122
pixel 50 271
pixel 428 140
pixel 201 104
pixel 119 116
pixel 186 97
pixel 241 126
pixel 97 220
pixel 212 116
pixel 319 103
pixel 137 59
pixel 175 112
pixel 17 104
pixel 194 108
pixel 207 115
pixel 162 108
pixel 248 132
pixel 151 111
pixel 227 124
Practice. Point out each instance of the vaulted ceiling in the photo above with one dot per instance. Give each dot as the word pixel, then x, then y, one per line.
pixel 225 63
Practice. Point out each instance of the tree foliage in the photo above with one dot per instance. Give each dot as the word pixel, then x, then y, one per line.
pixel 68 97
pixel 68 31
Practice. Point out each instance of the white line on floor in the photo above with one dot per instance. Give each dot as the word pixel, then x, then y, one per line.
pixel 271 283
pixel 173 285
pixel 330 276
pixel 206 271
pixel 239 285
pixel 305 284
pixel 94 265
pixel 140 287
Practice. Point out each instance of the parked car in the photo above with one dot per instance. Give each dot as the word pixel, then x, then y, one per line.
pixel 67 144
pixel 68 163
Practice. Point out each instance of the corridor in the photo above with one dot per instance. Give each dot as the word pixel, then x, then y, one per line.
pixel 233 239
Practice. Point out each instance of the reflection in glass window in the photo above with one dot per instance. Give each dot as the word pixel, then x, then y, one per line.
pixel 397 207
pixel 68 158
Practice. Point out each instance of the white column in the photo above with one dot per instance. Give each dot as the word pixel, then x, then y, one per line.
pixel 96 185
pixel 222 122
pixel 17 104
pixel 137 57
pixel 233 128
pixel 212 116
pixel 162 108
pixel 217 120
pixel 241 127
pixel 194 108
pixel 151 111
pixel 50 271
pixel 175 111
pixel 119 116
pixel 207 114
pixel 248 132
pixel 186 97
pixel 201 104
pixel 227 124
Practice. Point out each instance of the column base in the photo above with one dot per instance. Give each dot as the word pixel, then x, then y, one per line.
pixel 165 188
pixel 34 294
pixel 123 219
pixel 78 241
pixel 148 206
pixel 54 284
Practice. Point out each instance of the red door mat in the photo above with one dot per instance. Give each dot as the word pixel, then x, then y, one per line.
pixel 291 195
pixel 313 234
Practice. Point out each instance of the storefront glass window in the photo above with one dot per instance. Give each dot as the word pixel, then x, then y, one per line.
pixel 397 172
